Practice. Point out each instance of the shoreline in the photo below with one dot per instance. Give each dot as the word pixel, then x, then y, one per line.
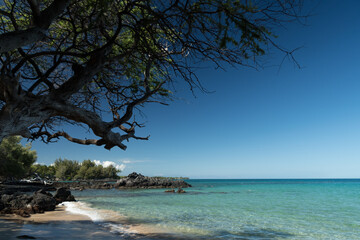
pixel 58 215
pixel 64 224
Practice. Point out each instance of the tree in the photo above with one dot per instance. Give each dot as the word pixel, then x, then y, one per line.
pixel 84 172
pixel 43 171
pixel 110 172
pixel 89 170
pixel 15 159
pixel 66 169
pixel 67 61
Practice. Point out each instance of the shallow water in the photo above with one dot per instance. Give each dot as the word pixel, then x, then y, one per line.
pixel 241 209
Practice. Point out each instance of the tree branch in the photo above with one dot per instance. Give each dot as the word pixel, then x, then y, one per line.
pixel 12 40
pixel 98 126
pixel 68 137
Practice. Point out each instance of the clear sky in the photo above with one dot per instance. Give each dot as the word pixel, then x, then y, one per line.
pixel 292 123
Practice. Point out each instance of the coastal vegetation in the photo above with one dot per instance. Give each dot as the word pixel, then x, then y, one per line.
pixel 16 160
pixel 64 169
pixel 44 171
pixel 73 170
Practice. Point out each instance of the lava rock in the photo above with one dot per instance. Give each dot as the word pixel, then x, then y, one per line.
pixel 63 195
pixel 137 180
pixel 170 191
pixel 180 190
pixel 42 202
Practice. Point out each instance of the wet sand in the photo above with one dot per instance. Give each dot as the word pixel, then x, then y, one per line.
pixel 60 214
pixel 62 224
pixel 58 224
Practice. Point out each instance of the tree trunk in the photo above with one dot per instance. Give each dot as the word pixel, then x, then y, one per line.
pixel 17 116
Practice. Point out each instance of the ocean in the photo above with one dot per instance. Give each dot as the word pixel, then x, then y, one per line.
pixel 233 209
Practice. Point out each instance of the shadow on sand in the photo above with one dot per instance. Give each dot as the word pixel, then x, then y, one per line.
pixel 85 229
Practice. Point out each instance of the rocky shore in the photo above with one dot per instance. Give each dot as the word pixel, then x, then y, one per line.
pixel 136 180
pixel 24 204
pixel 133 180
pixel 25 199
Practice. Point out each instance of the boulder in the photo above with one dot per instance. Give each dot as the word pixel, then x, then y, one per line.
pixel 180 190
pixel 133 175
pixel 120 183
pixel 25 237
pixel 170 191
pixel 103 186
pixel 22 213
pixel 63 195
pixel 42 191
pixel 16 201
pixel 42 202
pixel 23 204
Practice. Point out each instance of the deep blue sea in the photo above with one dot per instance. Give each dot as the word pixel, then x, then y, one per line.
pixel 242 209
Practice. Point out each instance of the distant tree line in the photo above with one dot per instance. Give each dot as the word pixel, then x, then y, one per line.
pixel 18 161
pixel 73 170
pixel 65 169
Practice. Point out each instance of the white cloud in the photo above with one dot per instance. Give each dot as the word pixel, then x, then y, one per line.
pixel 120 167
pixel 127 161
pixel 36 163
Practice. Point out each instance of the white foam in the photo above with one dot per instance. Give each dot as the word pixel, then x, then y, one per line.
pixel 84 209
pixel 98 216
pixel 119 228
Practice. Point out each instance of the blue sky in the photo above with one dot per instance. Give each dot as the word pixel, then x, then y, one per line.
pixel 292 123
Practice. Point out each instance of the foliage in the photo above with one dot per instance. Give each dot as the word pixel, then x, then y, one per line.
pixel 66 169
pixel 68 61
pixel 71 170
pixel 110 172
pixel 43 171
pixel 89 170
pixel 15 159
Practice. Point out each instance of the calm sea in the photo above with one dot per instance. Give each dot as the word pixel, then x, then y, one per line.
pixel 242 209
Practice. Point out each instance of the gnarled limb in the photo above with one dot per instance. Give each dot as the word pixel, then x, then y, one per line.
pixel 42 20
pixel 96 142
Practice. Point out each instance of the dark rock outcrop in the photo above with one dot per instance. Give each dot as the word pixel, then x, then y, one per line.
pixel 25 237
pixel 26 204
pixel 16 203
pixel 85 184
pixel 11 188
pixel 42 201
pixel 136 180
pixel 180 190
pixel 63 195
pixel 170 191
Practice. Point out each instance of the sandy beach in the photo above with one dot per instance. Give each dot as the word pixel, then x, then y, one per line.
pixel 59 224
pixel 63 224
pixel 60 214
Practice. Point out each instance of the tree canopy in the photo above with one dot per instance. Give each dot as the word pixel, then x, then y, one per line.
pixel 71 170
pixel 66 169
pixel 77 62
pixel 15 159
pixel 44 171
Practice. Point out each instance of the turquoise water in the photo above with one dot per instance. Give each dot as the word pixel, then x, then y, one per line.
pixel 242 209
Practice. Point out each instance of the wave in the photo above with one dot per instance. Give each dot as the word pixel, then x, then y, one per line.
pixel 84 209
pixel 106 218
